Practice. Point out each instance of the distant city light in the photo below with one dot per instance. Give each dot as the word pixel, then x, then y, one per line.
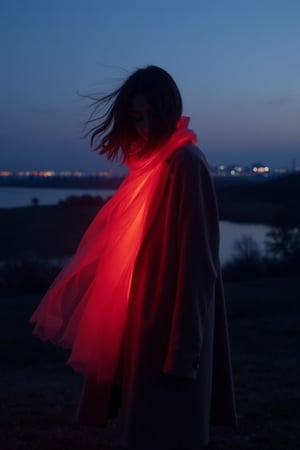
pixel 52 173
pixel 47 173
pixel 256 169
pixel 260 169
pixel 105 173
pixel 6 173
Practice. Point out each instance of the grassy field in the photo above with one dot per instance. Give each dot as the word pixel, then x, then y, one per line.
pixel 39 393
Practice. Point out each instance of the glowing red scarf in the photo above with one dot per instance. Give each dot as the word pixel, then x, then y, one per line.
pixel 85 308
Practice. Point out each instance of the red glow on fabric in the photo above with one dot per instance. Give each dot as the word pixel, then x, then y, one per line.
pixel 85 308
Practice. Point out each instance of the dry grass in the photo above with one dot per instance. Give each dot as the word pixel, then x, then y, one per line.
pixel 39 393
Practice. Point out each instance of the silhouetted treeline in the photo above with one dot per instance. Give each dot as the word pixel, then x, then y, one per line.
pixel 86 200
pixel 265 201
pixel 281 256
pixel 281 189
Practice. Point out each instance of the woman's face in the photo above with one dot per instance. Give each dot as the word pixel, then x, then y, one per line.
pixel 140 116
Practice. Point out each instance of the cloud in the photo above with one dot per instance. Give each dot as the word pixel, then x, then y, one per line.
pixel 280 101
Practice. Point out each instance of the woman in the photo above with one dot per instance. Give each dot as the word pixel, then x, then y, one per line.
pixel 141 302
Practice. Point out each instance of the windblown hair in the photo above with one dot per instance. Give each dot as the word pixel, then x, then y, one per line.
pixel 114 133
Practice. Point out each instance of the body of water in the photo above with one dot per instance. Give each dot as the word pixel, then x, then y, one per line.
pixel 230 232
pixel 14 197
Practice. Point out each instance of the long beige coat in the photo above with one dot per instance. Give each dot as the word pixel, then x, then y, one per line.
pixel 175 369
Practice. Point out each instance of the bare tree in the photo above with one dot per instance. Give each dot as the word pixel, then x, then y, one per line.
pixel 35 201
pixel 283 242
pixel 247 250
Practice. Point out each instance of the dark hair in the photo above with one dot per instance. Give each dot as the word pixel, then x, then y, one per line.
pixel 115 133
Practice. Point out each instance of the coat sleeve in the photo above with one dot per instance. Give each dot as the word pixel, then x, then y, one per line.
pixel 198 263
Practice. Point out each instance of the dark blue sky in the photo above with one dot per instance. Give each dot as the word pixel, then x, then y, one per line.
pixel 236 63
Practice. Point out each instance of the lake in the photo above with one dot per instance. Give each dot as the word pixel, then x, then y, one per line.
pixel 13 197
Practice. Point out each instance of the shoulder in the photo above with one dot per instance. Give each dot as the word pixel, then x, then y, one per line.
pixel 188 156
pixel 191 179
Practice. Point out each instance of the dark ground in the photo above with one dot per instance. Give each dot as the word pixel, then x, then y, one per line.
pixel 39 393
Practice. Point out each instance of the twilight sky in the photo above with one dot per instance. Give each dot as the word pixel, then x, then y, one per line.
pixel 236 63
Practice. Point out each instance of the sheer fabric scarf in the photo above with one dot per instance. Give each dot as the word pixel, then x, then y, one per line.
pixel 86 306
